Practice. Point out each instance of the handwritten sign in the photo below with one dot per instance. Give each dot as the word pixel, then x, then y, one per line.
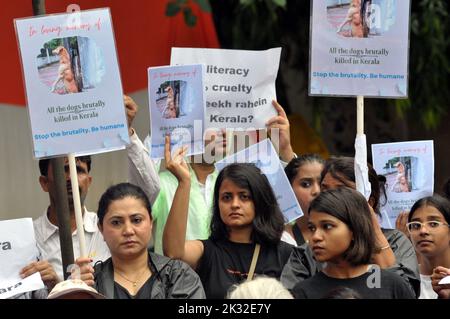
pixel 359 48
pixel 264 156
pixel 17 249
pixel 73 85
pixel 409 171
pixel 177 106
pixel 240 85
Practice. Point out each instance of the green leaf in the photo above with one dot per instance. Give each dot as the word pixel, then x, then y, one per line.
pixel 204 5
pixel 189 18
pixel 280 3
pixel 246 2
pixel 172 9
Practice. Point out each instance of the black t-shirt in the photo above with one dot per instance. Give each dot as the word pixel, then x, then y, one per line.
pixel 143 293
pixel 225 263
pixel 389 286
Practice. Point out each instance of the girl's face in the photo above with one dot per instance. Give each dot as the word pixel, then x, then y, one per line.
pixel 306 184
pixel 236 205
pixel 432 239
pixel 330 237
pixel 127 227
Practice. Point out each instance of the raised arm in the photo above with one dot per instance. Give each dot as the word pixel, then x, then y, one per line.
pixel 174 236
pixel 281 123
pixel 141 169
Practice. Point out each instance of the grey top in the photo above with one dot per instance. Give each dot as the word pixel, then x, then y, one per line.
pixel 174 279
pixel 301 264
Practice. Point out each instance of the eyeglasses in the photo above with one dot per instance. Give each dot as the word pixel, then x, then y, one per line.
pixel 432 226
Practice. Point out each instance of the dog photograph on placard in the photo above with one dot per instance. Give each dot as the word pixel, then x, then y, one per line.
pixel 70 65
pixel 170 99
pixel 361 18
pixel 401 174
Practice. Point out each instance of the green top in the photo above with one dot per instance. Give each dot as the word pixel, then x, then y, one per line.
pixel 200 211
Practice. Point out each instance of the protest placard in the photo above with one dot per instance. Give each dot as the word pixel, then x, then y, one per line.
pixel 177 107
pixel 72 80
pixel 240 85
pixel 17 249
pixel 409 171
pixel 359 47
pixel 264 156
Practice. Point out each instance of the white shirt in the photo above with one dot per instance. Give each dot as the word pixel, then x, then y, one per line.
pixel 142 171
pixel 47 238
pixel 287 238
pixel 426 290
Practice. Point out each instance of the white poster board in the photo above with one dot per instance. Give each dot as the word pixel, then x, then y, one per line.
pixel 73 87
pixel 177 107
pixel 264 156
pixel 409 171
pixel 240 85
pixel 359 47
pixel 17 250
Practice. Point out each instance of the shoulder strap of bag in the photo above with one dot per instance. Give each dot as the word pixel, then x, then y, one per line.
pixel 251 272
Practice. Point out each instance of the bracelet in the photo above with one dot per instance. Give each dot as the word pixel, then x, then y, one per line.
pixel 380 249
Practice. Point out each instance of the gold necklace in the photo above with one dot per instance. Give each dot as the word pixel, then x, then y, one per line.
pixel 134 282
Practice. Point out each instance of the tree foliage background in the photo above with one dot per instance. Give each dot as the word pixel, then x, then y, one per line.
pixel 261 24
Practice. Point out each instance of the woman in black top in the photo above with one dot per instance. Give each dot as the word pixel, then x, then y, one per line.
pixel 132 272
pixel 304 174
pixel 394 250
pixel 245 213
pixel 342 236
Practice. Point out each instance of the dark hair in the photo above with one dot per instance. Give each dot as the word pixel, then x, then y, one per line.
pixel 294 165
pixel 350 207
pixel 446 189
pixel 121 191
pixel 342 293
pixel 268 224
pixel 383 195
pixel 343 169
pixel 43 164
pixel 442 204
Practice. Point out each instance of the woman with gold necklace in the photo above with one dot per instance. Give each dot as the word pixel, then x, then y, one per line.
pixel 133 272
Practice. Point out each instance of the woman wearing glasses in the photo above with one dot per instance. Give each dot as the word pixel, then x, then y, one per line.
pixel 428 224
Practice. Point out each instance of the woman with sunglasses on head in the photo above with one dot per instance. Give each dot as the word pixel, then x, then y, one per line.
pixel 394 252
pixel 133 272
pixel 342 238
pixel 428 225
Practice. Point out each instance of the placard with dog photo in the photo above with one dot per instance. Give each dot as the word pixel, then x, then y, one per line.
pixel 177 107
pixel 406 172
pixel 359 47
pixel 72 80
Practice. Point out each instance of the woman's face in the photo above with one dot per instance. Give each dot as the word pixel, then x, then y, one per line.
pixel 127 227
pixel 306 184
pixel 430 241
pixel 329 182
pixel 330 237
pixel 236 205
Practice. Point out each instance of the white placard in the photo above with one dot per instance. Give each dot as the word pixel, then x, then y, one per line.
pixel 240 85
pixel 445 281
pixel 359 47
pixel 73 87
pixel 17 249
pixel 264 156
pixel 177 106
pixel 409 171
